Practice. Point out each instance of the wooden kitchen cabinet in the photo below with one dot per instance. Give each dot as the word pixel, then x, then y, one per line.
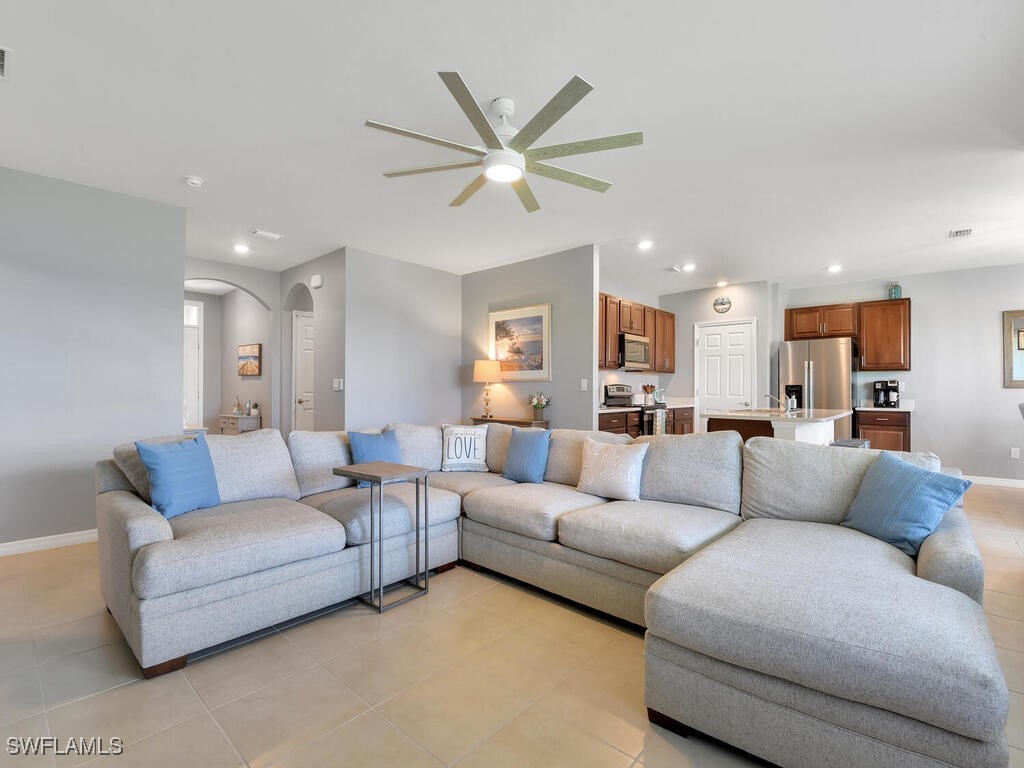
pixel 834 320
pixel 613 422
pixel 887 431
pixel 631 317
pixel 885 335
pixel 610 336
pixel 602 323
pixel 665 342
pixel 617 315
pixel 679 421
pixel 651 332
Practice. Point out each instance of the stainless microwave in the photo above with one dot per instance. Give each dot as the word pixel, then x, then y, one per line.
pixel 634 352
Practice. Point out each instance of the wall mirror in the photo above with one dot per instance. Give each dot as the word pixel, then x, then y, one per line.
pixel 1013 348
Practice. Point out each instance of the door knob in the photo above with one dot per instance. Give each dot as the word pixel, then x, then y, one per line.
pixel 300 401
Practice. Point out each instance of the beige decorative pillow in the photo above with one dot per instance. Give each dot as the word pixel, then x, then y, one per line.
pixel 612 471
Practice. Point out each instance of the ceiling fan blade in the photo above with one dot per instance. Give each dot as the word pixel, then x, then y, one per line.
pixel 432 168
pixel 459 89
pixel 424 137
pixel 569 177
pixel 587 145
pixel 526 195
pixel 469 191
pixel 551 113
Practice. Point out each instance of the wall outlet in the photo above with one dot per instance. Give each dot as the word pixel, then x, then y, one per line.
pixel 1015 453
pixel 584 385
pixel 338 385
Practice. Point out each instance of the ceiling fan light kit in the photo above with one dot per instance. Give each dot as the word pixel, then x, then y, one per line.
pixel 506 155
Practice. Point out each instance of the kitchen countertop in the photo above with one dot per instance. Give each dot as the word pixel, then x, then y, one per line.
pixel 816 415
pixel 906 406
pixel 670 402
pixel 622 409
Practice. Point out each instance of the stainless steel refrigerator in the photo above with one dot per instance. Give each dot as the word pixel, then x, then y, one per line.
pixel 819 373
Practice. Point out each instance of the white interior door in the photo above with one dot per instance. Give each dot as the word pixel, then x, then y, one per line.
pixel 725 366
pixel 192 387
pixel 303 341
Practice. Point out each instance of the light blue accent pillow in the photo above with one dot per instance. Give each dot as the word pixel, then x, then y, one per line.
pixel 901 503
pixel 368 447
pixel 527 455
pixel 181 476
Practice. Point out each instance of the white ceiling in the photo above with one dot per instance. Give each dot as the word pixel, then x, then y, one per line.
pixel 210 287
pixel 780 137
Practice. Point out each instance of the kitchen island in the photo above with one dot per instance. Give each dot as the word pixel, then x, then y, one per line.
pixel 815 425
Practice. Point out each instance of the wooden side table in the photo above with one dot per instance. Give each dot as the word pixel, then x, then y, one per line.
pixel 514 422
pixel 378 474
pixel 236 423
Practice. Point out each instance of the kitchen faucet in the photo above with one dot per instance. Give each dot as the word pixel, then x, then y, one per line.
pixel 789 404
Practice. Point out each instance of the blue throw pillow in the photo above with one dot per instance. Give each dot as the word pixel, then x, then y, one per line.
pixel 901 503
pixel 181 476
pixel 368 447
pixel 527 455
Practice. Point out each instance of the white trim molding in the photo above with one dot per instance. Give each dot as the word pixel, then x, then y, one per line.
pixel 1005 482
pixel 47 542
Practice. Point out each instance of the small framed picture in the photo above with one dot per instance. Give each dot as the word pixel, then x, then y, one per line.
pixel 250 359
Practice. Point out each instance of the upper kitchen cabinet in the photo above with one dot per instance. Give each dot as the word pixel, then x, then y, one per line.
pixel 664 342
pixel 608 334
pixel 885 335
pixel 617 315
pixel 631 317
pixel 821 322
pixel 602 323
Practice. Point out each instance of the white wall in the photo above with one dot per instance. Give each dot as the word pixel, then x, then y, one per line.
pixel 91 288
pixel 963 412
pixel 213 357
pixel 402 342
pixel 568 281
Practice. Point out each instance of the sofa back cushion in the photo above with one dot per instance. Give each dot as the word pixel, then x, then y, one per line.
pixel 255 465
pixel 704 470
pixel 127 458
pixel 314 457
pixel 498 438
pixel 565 456
pixel 419 445
pixel 787 480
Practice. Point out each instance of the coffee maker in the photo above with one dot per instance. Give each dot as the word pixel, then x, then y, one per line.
pixel 887 393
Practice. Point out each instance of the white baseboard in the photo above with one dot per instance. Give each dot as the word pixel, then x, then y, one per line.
pixel 47 542
pixel 1005 482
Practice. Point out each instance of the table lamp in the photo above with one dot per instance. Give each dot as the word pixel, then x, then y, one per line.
pixel 485 372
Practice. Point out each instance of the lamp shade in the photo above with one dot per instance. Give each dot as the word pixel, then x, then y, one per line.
pixel 486 371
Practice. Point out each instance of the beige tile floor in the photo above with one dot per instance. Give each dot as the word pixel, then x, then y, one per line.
pixel 482 672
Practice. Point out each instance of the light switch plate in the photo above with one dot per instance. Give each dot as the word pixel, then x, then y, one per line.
pixel 584 384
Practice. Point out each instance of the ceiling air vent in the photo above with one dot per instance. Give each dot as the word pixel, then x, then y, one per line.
pixel 960 233
pixel 3 63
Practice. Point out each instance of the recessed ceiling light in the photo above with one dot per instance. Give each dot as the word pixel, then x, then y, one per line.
pixel 721 284
pixel 835 268
pixel 195 182
pixel 241 248
pixel 645 245
pixel 689 267
pixel 676 268
pixel 265 235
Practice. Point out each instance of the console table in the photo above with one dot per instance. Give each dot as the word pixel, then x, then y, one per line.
pixel 378 474
pixel 514 422
pixel 236 423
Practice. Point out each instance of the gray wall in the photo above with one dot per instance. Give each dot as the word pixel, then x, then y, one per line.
pixel 963 412
pixel 402 342
pixel 246 321
pixel 756 300
pixel 213 355
pixel 91 289
pixel 568 281
pixel 265 286
pixel 329 354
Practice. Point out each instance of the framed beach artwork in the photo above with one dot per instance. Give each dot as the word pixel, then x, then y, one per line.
pixel 520 339
pixel 250 359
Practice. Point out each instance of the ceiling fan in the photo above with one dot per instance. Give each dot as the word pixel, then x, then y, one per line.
pixel 507 154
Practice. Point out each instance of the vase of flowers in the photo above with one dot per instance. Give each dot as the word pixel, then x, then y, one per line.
pixel 538 402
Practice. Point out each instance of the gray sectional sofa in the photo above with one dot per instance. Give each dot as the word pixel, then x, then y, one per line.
pixel 769 626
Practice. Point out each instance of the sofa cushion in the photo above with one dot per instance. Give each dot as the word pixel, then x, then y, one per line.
pixel 498 438
pixel 370 448
pixel 612 471
pixel 565 456
pixel 653 535
pixel 902 504
pixel 463 449
pixel 704 470
pixel 466 482
pixel 255 465
pixel 527 456
pixel 787 480
pixel 837 611
pixel 530 509
pixel 419 445
pixel 181 476
pixel 315 455
pixel 236 539
pixel 351 508
pixel 127 458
